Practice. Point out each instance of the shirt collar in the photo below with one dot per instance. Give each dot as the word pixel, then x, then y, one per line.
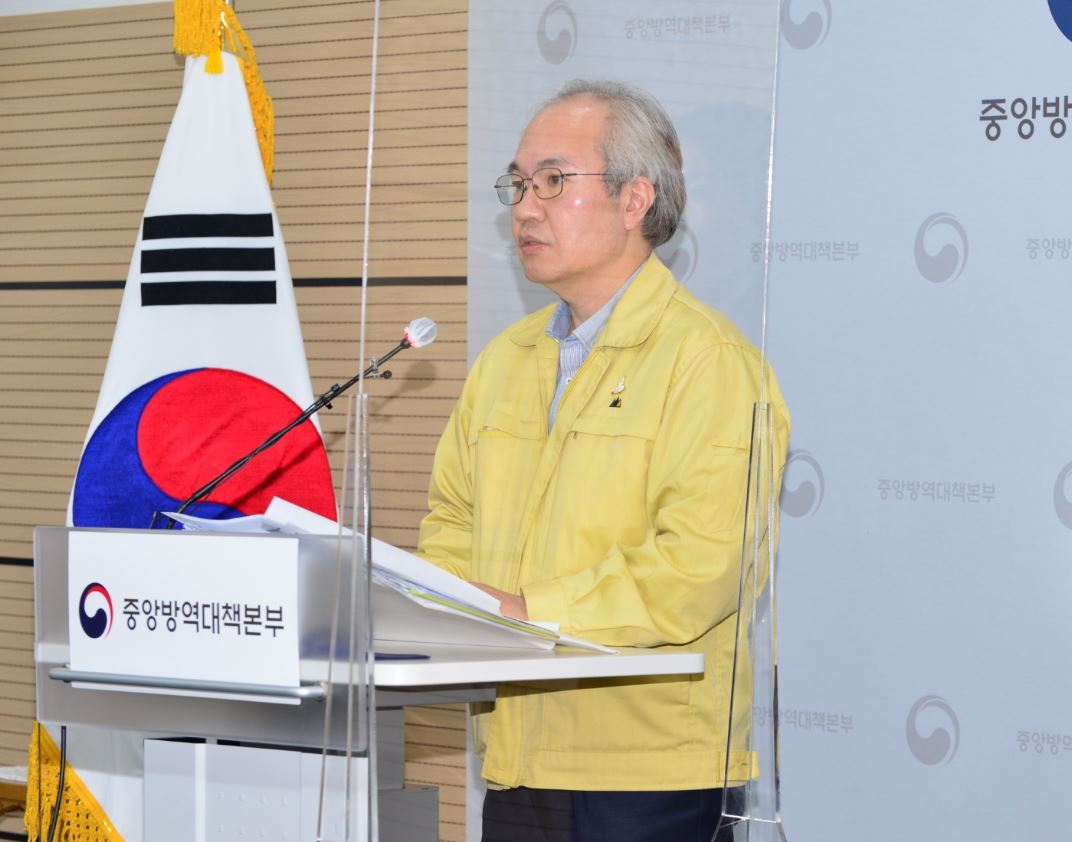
pixel 588 331
pixel 633 319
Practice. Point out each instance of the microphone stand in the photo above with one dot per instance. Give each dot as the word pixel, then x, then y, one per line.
pixel 373 371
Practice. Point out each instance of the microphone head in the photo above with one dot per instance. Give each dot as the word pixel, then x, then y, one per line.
pixel 420 332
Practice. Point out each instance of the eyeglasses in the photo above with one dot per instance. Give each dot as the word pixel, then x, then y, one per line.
pixel 546 182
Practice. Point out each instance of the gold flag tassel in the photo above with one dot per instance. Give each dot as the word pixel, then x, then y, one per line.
pixel 81 818
pixel 200 27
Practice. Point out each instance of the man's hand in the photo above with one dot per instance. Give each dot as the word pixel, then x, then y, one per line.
pixel 512 604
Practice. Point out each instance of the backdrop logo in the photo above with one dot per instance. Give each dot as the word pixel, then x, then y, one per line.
pixel 99 623
pixel 1062 16
pixel 680 252
pixel 804 498
pixel 939 746
pixel 1061 504
pixel 559 48
pixel 811 31
pixel 948 262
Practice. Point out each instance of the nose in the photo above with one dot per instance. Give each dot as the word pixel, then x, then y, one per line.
pixel 530 206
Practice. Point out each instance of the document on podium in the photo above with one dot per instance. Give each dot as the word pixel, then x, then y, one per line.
pixel 414 600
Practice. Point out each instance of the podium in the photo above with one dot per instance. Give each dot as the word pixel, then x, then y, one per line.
pixel 265 727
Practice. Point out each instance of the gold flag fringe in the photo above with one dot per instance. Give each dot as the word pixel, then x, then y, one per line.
pixel 81 819
pixel 200 28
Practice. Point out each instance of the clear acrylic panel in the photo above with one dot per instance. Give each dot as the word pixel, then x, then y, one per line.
pixel 347 794
pixel 714 71
pixel 752 736
pixel 348 798
pixel 712 68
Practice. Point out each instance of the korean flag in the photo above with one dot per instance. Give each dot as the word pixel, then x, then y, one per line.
pixel 207 358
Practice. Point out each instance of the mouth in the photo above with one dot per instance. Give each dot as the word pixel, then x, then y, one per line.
pixel 530 245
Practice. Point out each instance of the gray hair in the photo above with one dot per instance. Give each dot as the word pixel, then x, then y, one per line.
pixel 639 140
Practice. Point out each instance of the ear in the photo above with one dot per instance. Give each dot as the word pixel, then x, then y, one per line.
pixel 637 198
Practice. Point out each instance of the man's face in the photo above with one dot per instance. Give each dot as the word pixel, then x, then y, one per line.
pixel 567 241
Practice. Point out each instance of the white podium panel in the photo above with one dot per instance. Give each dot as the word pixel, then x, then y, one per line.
pixel 204 790
pixel 406 673
pixel 186 606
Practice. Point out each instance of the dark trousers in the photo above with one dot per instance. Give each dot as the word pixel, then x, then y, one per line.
pixel 555 815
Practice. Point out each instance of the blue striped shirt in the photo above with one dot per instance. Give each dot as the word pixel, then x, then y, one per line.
pixel 574 348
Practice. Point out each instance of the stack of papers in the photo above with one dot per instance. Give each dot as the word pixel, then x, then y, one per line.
pixel 415 601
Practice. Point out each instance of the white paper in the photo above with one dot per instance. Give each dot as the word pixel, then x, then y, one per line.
pixel 417 581
pixel 397 617
pixel 251 524
pixel 296 520
pixel 286 517
pixel 428 576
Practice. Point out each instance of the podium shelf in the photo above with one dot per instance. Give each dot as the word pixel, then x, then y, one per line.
pixel 315 692
pixel 445 665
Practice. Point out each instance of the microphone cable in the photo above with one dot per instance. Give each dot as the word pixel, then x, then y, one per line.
pixel 59 788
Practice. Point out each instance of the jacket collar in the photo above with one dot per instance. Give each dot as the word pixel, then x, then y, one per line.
pixel 634 317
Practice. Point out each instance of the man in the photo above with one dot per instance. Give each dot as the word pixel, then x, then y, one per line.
pixel 593 474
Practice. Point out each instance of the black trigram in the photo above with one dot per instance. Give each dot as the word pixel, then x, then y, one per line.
pixel 208 259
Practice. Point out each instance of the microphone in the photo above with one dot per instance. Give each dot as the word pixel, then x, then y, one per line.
pixel 420 332
pixel 416 334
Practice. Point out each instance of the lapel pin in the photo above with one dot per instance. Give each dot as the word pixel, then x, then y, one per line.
pixel 617 393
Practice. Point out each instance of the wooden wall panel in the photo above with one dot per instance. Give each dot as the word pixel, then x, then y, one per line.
pixel 85 102
pixel 16 662
pixel 435 756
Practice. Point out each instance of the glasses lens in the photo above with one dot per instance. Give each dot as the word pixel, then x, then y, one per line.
pixel 547 182
pixel 510 189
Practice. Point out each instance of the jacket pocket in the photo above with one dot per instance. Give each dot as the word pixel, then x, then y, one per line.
pixel 614 422
pixel 603 474
pixel 505 453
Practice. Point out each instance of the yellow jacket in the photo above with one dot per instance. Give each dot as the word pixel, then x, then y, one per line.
pixel 624 524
